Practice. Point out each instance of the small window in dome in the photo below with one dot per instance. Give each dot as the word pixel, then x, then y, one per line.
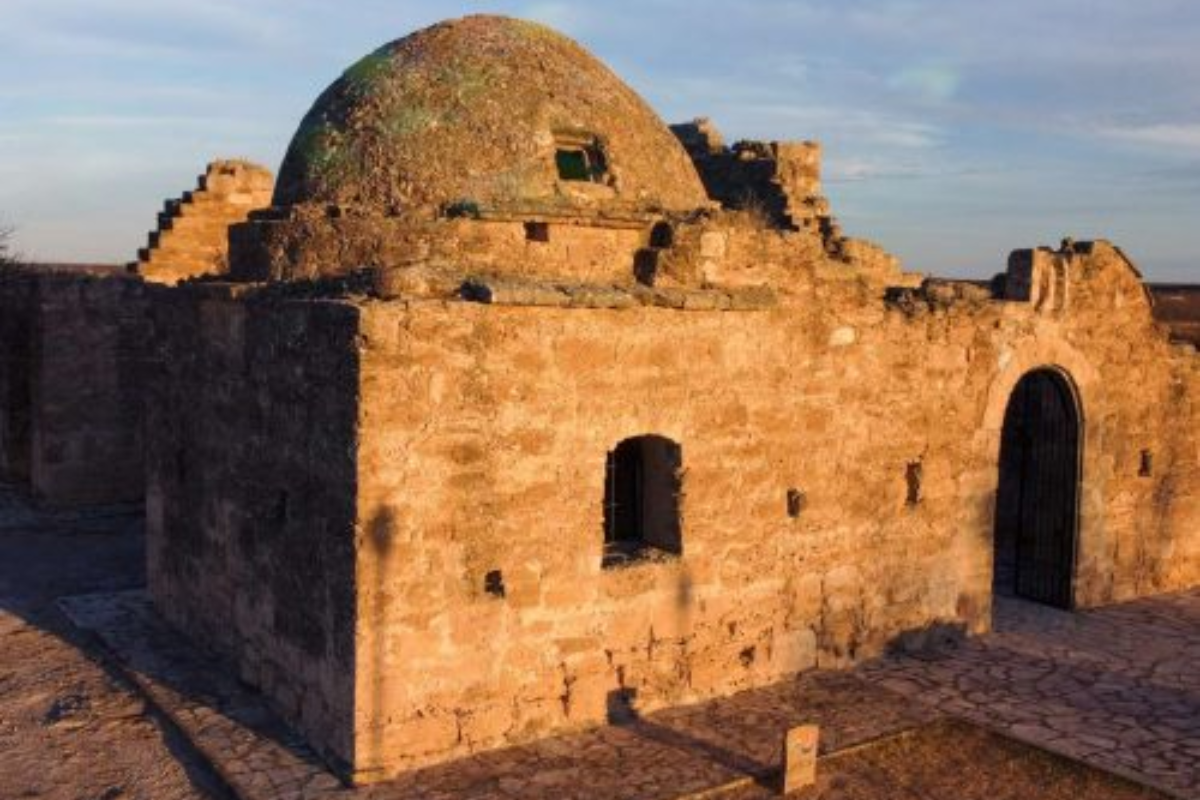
pixel 579 158
pixel 573 165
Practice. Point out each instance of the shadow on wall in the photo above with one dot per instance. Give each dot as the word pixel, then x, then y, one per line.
pixel 48 554
pixel 380 533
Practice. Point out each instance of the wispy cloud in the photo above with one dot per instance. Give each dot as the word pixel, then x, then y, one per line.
pixel 992 113
pixel 1177 137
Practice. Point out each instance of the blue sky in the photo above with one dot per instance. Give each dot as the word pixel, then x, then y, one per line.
pixel 954 130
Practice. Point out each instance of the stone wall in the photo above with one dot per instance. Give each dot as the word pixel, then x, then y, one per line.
pixel 307 246
pixel 390 511
pixel 90 335
pixel 483 437
pixel 250 494
pixel 74 341
pixel 192 236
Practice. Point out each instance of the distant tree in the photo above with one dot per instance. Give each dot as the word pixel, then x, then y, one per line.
pixel 7 256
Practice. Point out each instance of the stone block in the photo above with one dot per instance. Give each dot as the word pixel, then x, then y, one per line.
pixel 799 758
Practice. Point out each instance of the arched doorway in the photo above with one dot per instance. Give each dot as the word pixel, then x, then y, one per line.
pixel 1037 499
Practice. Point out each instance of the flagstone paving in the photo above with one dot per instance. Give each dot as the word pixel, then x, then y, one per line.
pixel 1116 687
pixel 71 727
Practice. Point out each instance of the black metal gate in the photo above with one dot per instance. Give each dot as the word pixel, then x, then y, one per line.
pixel 1037 499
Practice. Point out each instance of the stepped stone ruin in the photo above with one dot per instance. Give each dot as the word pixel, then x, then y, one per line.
pixel 518 410
pixel 192 235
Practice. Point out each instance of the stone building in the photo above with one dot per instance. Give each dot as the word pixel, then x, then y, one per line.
pixel 518 410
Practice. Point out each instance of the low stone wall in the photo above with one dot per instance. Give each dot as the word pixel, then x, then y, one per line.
pixel 75 342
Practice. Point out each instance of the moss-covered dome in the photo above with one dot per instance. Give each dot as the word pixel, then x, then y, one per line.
pixel 485 112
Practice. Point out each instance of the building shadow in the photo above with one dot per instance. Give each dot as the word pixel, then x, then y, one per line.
pixel 46 554
pixel 622 713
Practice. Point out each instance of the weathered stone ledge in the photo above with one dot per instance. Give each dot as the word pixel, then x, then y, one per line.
pixel 509 292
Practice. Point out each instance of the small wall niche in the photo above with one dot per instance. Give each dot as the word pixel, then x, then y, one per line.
pixel 537 232
pixel 1146 464
pixel 493 583
pixel 797 501
pixel 913 473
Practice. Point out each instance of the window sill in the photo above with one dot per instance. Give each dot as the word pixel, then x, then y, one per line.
pixel 623 555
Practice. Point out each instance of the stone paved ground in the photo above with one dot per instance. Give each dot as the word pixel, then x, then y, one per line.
pixel 953 760
pixel 1118 687
pixel 70 727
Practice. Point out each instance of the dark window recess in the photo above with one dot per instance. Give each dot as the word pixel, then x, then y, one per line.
pixel 641 500
pixel 645 267
pixel 493 583
pixel 1146 466
pixel 573 165
pixel 796 502
pixel 537 231
pixel 580 158
pixel 662 235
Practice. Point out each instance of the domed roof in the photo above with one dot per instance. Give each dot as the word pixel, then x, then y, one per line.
pixel 486 112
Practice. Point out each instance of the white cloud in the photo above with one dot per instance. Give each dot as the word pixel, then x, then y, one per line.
pixel 1180 137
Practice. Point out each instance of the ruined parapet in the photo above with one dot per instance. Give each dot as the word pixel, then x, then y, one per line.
pixel 192 235
pixel 940 294
pixel 779 179
pixel 1038 277
pixel 1051 280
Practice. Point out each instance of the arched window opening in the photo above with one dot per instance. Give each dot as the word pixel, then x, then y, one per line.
pixel 642 486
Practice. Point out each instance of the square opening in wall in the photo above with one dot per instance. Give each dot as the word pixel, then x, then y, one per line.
pixel 537 232
pixel 580 158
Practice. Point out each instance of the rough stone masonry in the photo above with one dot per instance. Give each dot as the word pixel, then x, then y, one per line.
pixel 517 411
